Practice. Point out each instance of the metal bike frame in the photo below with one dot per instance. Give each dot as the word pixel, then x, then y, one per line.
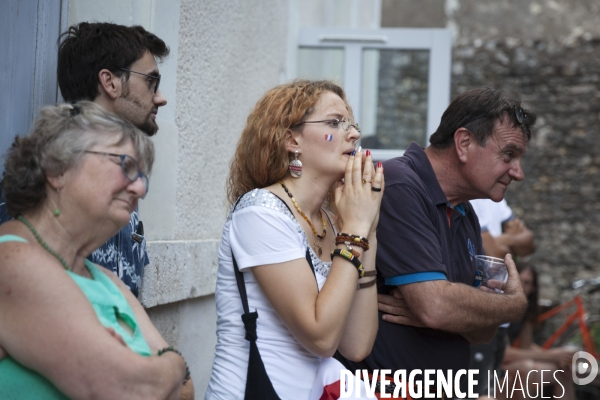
pixel 579 315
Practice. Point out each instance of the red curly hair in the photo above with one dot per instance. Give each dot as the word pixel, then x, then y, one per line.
pixel 261 157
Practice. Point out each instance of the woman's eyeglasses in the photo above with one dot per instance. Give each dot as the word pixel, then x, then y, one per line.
pixel 129 166
pixel 346 124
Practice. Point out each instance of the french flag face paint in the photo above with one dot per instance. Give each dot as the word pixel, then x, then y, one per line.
pixel 329 138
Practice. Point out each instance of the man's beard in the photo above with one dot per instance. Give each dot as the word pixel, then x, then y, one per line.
pixel 130 104
pixel 149 127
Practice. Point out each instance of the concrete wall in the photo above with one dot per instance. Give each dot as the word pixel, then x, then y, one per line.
pixel 230 53
pixel 224 56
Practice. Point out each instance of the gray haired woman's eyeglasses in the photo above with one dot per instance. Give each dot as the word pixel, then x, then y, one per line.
pixel 129 166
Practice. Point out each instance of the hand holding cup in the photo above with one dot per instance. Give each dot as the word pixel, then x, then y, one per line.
pixel 491 273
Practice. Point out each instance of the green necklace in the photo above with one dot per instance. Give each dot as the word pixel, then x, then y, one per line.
pixel 45 245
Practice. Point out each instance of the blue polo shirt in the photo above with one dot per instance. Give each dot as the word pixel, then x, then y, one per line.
pixel 420 237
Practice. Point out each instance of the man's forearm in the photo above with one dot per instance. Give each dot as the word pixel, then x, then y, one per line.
pixel 459 308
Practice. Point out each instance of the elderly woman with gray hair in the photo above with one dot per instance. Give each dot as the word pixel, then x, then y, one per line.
pixel 68 328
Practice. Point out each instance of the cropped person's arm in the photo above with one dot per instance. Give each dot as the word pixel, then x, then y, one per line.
pixel 517 237
pixel 458 308
pixel 72 350
pixel 149 331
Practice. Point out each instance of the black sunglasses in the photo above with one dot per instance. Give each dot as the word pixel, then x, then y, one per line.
pixel 519 115
pixel 156 78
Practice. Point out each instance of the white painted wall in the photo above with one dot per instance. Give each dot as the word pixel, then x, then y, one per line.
pixel 224 56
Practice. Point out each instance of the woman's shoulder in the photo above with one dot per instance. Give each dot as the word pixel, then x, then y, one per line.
pixel 263 199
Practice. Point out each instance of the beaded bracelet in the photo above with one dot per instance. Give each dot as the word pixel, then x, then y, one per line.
pixel 343 238
pixel 366 284
pixel 350 257
pixel 187 369
pixel 350 249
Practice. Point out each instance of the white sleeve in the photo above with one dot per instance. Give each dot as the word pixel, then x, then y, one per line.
pixel 479 206
pixel 492 215
pixel 261 236
pixel 505 212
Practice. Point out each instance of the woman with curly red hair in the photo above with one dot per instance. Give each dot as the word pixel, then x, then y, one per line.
pixel 305 243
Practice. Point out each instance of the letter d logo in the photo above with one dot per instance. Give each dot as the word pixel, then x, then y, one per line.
pixel 580 367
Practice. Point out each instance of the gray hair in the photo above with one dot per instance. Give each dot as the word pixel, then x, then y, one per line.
pixel 60 136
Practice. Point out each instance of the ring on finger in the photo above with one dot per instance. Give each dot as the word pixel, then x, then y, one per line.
pixel 366 181
pixel 376 189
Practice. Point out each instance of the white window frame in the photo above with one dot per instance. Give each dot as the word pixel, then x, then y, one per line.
pixel 354 41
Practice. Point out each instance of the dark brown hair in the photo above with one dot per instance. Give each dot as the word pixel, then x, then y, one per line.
pixel 478 110
pixel 87 48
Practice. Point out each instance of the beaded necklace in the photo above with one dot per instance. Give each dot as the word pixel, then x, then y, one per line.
pixel 46 246
pixel 316 244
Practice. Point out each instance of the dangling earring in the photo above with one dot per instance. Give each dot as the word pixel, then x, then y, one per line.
pixel 296 166
pixel 56 211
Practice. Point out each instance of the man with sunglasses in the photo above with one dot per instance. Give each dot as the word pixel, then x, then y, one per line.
pixel 115 67
pixel 428 237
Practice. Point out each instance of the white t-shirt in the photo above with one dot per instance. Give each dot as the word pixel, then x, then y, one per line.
pixel 492 215
pixel 261 231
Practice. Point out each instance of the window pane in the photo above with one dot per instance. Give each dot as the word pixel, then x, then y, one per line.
pixel 321 63
pixel 394 98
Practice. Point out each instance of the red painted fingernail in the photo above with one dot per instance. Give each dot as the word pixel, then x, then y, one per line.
pixel 368 153
pixel 379 164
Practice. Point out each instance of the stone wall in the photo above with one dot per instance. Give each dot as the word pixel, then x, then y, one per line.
pixel 559 197
pixel 548 53
pixel 552 63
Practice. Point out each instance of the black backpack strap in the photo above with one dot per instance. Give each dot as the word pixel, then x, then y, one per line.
pixel 258 384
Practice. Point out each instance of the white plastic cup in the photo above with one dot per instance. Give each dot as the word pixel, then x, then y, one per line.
pixel 491 272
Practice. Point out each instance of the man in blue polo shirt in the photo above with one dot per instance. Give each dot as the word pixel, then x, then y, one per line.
pixel 428 236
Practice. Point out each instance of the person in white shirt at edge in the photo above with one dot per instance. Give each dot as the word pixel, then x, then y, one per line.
pixel 501 232
pixel 287 217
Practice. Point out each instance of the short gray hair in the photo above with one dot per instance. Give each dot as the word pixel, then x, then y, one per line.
pixel 60 136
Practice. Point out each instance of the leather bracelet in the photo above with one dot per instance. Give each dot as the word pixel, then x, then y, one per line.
pixel 355 240
pixel 366 284
pixel 187 369
pixel 350 249
pixel 350 257
pixel 370 273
